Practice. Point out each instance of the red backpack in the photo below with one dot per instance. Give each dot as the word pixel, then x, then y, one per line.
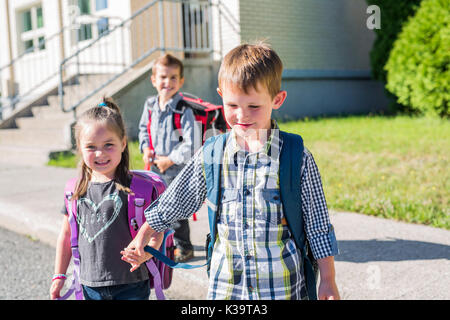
pixel 210 116
pixel 146 186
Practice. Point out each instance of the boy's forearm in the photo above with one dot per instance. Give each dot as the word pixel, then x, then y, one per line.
pixel 326 268
pixel 144 236
pixel 156 240
pixel 328 289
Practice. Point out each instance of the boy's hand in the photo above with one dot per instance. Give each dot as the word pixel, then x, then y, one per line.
pixel 327 288
pixel 137 245
pixel 148 156
pixel 130 256
pixel 328 291
pixel 163 163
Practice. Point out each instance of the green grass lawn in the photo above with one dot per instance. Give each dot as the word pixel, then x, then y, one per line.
pixel 389 167
pixel 393 167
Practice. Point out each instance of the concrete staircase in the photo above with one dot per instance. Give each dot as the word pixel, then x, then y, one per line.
pixel 41 128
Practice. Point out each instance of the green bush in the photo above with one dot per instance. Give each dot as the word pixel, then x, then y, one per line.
pixel 418 66
pixel 394 14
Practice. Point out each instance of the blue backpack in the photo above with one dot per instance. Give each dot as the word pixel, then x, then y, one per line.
pixel 291 158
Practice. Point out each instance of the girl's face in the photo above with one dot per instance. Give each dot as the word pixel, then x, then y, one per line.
pixel 101 150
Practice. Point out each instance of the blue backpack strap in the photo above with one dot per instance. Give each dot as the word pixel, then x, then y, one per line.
pixel 163 258
pixel 291 159
pixel 213 155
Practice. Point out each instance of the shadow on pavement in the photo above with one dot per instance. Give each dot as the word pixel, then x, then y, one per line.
pixel 360 251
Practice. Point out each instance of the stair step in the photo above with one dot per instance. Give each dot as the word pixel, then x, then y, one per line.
pixel 47 112
pixel 30 156
pixel 46 138
pixel 50 121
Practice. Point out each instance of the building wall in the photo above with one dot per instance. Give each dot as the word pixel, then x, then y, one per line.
pixel 311 34
pixel 325 48
pixel 226 26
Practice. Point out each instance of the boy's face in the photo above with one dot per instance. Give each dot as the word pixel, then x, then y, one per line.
pixel 167 81
pixel 247 113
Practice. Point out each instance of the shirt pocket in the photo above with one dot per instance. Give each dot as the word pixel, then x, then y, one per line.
pixel 268 207
pixel 229 206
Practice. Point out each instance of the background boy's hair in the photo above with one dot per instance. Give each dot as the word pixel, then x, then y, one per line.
pixel 168 60
pixel 248 65
pixel 109 113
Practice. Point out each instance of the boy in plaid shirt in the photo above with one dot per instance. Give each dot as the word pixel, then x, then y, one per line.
pixel 254 255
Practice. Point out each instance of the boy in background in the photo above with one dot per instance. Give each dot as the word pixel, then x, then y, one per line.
pixel 162 150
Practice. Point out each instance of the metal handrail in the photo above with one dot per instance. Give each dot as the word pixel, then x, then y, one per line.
pixel 202 36
pixel 49 74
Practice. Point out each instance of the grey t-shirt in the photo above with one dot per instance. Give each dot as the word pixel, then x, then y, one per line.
pixel 103 232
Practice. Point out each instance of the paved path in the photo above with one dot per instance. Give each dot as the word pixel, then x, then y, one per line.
pixel 379 258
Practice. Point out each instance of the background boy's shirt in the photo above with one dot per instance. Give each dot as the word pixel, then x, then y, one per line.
pixel 254 256
pixel 165 138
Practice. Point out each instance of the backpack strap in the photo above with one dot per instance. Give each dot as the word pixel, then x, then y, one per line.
pixel 212 155
pixel 144 193
pixel 176 117
pixel 291 159
pixel 150 143
pixel 71 207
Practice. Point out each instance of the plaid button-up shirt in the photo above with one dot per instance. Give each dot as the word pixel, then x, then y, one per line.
pixel 254 255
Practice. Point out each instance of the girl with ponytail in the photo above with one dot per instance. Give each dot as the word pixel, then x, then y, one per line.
pixel 102 211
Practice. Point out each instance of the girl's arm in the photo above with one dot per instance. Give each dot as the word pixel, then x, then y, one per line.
pixel 62 259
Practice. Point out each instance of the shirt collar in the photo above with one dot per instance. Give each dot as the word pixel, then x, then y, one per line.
pixel 172 104
pixel 270 148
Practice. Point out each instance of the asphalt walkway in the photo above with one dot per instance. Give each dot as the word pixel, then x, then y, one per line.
pixel 379 258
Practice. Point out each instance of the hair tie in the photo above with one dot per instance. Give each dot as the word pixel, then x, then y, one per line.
pixel 102 104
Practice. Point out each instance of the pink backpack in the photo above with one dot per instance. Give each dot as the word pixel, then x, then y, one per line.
pixel 146 186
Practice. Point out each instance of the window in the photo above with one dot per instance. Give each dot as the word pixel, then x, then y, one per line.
pixel 27 25
pixel 102 25
pixel 30 29
pixel 28 45
pixel 101 4
pixel 85 32
pixel 40 18
pixel 41 43
pixel 85 6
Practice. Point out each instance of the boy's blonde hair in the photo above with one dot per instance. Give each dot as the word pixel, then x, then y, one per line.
pixel 248 65
pixel 168 60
